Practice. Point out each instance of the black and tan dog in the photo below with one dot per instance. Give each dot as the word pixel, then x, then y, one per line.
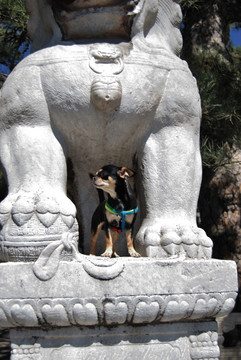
pixel 118 213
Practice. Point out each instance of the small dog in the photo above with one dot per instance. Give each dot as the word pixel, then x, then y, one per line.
pixel 118 213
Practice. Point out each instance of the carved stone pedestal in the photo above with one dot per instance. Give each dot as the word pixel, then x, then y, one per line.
pixel 163 341
pixel 130 308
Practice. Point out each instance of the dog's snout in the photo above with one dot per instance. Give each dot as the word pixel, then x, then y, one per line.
pixel 96 180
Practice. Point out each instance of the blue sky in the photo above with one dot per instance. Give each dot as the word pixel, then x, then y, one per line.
pixel 235 35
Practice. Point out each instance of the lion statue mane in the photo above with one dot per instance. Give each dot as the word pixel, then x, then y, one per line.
pixel 104 84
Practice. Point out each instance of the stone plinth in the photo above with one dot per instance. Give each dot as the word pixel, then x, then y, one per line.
pixel 155 342
pixel 95 308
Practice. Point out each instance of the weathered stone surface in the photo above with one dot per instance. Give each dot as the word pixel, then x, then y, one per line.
pixel 141 291
pixel 165 341
pixel 92 99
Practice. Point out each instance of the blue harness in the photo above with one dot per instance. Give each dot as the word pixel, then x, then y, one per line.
pixel 122 214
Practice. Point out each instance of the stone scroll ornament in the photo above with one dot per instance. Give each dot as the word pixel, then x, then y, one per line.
pixel 104 84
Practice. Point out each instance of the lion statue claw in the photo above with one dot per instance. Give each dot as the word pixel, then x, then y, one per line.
pixel 104 84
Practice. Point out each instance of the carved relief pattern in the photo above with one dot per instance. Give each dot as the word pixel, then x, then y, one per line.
pixel 26 352
pixel 23 238
pixel 118 310
pixel 106 89
pixel 204 346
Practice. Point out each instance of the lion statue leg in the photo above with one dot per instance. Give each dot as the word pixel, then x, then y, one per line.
pixel 171 174
pixel 36 211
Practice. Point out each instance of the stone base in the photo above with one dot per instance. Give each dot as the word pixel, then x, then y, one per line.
pixel 153 342
pixel 98 308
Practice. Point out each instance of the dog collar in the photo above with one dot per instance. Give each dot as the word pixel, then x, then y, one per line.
pixel 121 213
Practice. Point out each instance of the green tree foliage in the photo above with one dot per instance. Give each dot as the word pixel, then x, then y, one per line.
pixel 217 68
pixel 219 80
pixel 194 4
pixel 13 32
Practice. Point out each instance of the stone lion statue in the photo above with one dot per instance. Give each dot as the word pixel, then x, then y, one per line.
pixel 104 85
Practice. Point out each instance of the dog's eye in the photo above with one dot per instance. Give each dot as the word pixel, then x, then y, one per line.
pixel 103 175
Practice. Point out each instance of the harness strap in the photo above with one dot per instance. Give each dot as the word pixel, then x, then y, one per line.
pixel 121 213
pixel 117 230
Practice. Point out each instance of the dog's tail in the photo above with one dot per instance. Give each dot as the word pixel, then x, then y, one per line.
pixel 100 192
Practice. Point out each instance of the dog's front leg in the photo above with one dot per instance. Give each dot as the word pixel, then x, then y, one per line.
pixel 114 235
pixel 130 246
pixel 94 236
pixel 109 244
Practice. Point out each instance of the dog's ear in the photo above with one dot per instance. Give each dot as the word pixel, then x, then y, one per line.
pixel 125 172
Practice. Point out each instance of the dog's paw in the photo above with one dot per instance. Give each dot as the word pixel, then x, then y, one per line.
pixel 134 253
pixel 107 253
